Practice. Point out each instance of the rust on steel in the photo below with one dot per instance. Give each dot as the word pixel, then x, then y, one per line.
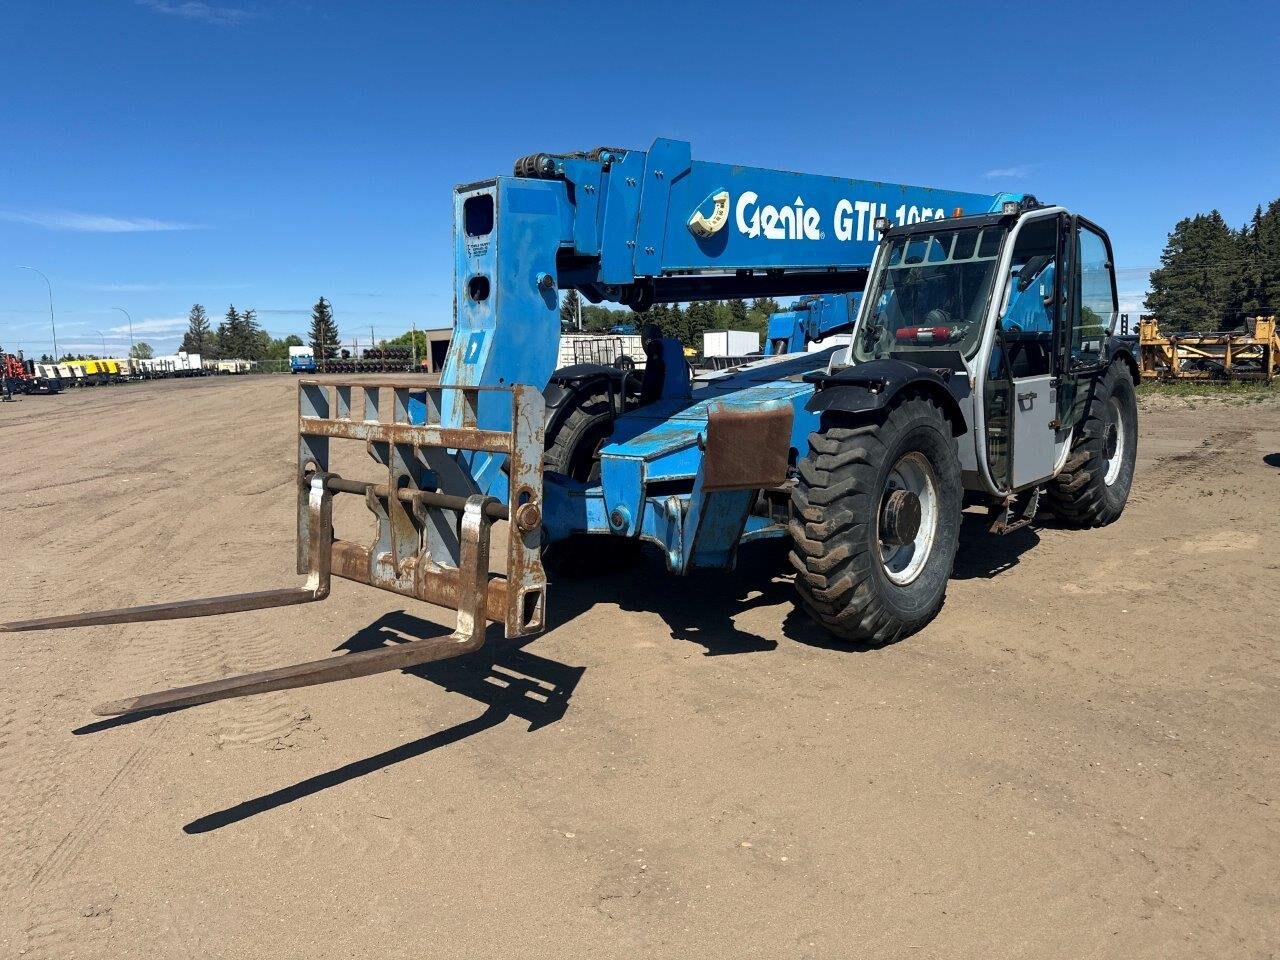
pixel 491 441
pixel 316 588
pixel 439 584
pixel 181 609
pixel 431 498
pixel 469 635
pixel 746 447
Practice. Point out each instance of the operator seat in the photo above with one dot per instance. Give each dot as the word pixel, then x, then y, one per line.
pixel 666 374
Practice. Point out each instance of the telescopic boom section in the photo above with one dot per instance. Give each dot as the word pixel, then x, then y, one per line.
pixel 639 227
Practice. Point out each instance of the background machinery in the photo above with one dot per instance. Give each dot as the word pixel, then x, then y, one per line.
pixel 19 375
pixel 809 320
pixel 302 360
pixel 981 368
pixel 1249 354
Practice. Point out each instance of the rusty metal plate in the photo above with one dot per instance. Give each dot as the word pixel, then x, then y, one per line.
pixel 747 448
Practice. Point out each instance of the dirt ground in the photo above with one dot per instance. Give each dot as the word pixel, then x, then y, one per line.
pixel 1077 759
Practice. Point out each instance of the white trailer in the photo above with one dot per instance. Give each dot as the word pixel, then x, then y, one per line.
pixel 730 343
pixel 605 348
pixel 231 366
pixel 182 364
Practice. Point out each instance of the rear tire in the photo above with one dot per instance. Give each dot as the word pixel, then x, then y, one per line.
pixel 571 449
pixel 852 576
pixel 1093 486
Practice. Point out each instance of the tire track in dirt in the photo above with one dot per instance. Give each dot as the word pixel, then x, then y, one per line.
pixel 32 786
pixel 1216 457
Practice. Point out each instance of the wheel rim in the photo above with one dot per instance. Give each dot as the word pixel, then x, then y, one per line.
pixel 903 563
pixel 1113 441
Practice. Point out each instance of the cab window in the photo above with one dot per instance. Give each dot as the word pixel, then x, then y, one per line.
pixel 1096 298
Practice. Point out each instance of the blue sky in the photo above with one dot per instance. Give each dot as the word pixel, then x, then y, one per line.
pixel 155 153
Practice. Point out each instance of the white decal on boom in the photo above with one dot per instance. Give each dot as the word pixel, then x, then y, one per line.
pixel 792 222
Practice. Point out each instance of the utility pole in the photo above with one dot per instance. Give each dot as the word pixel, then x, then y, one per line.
pixel 413 340
pixel 52 326
pixel 130 319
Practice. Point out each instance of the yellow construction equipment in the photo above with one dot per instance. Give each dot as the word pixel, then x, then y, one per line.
pixel 1251 354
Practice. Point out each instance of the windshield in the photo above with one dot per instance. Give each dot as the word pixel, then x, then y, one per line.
pixel 930 292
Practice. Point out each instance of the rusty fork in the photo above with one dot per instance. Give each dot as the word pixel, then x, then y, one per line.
pixel 320 507
pixel 467 636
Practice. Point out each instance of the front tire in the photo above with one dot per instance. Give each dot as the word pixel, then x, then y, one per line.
pixel 877 523
pixel 1093 486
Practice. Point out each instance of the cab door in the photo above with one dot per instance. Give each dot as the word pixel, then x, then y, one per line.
pixel 1027 335
pixel 1090 308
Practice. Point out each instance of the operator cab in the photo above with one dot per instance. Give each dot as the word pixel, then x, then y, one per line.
pixel 1013 309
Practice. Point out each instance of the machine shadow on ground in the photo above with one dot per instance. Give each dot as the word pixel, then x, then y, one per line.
pixel 984 555
pixel 503 676
pixel 509 680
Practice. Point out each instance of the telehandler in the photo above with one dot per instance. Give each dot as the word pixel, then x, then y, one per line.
pixel 981 370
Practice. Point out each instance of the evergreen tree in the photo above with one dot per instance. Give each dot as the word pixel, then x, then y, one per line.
pixel 1264 289
pixel 230 334
pixel 1200 283
pixel 762 308
pixel 324 336
pixel 699 318
pixel 569 308
pixel 197 339
pixel 254 341
pixel 677 324
pixel 737 313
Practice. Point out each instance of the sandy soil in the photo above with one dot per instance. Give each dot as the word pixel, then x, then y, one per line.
pixel 1077 759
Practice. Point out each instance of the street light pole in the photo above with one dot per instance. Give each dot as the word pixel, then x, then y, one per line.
pixel 104 343
pixel 53 326
pixel 130 319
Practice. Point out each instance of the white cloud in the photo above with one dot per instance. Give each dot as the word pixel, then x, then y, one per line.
pixel 199 10
pixel 1018 171
pixel 92 222
pixel 154 325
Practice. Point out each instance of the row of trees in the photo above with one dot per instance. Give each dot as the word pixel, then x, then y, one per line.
pixel 1212 277
pixel 238 336
pixel 686 324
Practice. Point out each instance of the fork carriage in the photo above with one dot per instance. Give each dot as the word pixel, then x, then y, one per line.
pixel 418 551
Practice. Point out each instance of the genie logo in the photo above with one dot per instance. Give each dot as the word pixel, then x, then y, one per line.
pixel 792 222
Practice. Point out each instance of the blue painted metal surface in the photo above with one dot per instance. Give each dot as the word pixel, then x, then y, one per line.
pixel 634 227
pixel 809 320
